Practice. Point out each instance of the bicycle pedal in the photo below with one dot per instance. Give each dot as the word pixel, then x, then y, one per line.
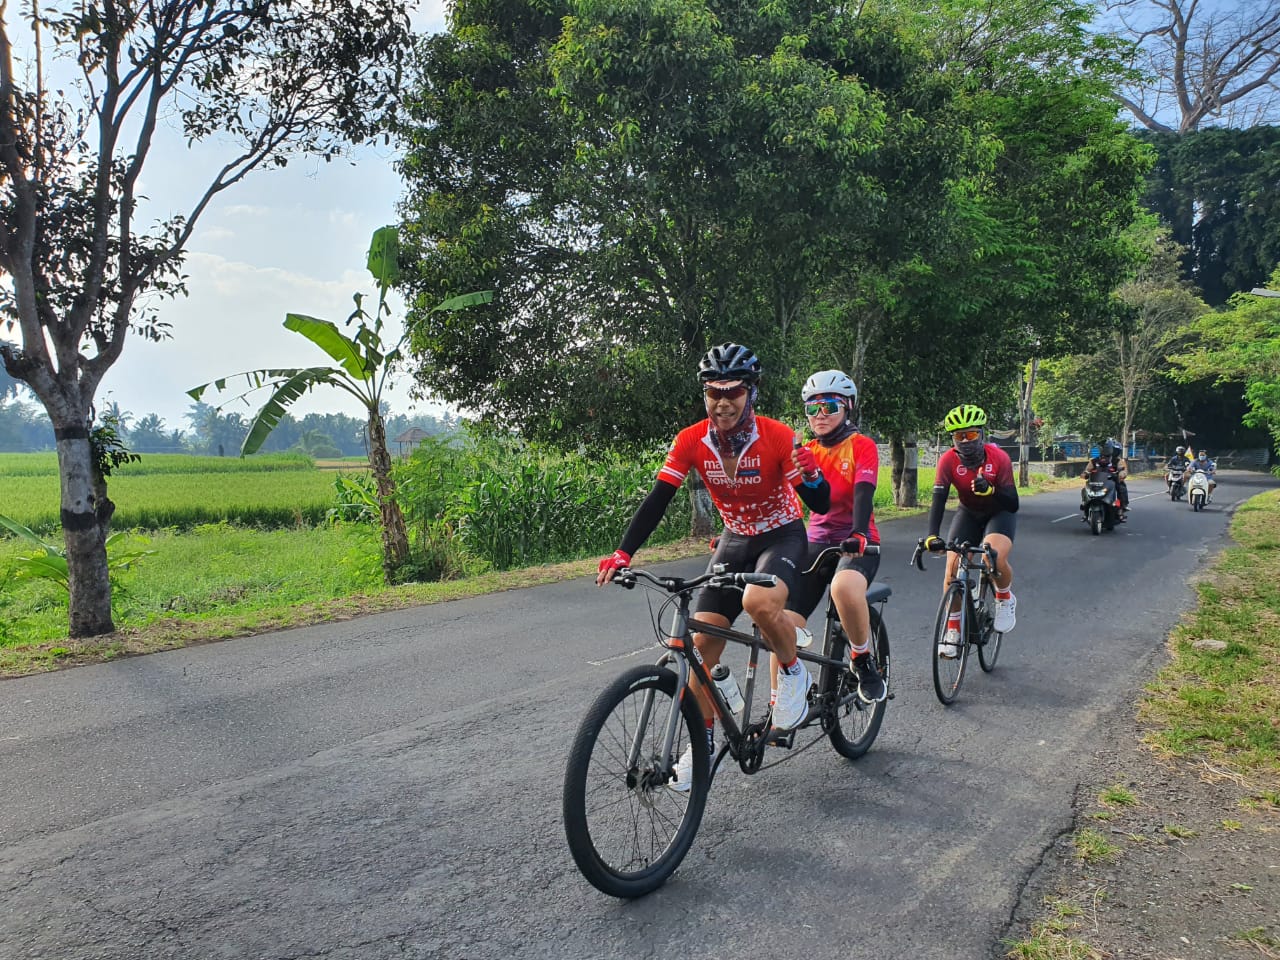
pixel 781 738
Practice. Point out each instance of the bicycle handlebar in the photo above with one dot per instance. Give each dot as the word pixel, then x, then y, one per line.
pixel 952 546
pixel 628 577
pixel 870 550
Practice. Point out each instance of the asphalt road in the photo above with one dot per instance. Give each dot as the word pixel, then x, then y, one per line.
pixel 390 786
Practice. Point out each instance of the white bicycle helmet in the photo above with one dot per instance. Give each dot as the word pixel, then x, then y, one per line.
pixel 829 381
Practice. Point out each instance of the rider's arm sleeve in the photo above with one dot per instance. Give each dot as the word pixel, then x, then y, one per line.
pixel 935 509
pixel 1007 498
pixel 863 494
pixel 817 499
pixel 648 516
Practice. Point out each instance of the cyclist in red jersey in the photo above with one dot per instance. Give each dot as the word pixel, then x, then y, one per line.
pixel 982 474
pixel 745 461
pixel 850 462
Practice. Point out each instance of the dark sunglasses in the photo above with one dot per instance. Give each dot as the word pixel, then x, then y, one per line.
pixel 962 435
pixel 816 408
pixel 726 393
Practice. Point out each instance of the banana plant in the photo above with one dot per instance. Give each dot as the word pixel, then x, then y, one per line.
pixel 365 366
pixel 50 561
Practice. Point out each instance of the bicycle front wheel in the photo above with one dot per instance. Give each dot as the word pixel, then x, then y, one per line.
pixel 853 725
pixel 988 638
pixel 948 673
pixel 627 829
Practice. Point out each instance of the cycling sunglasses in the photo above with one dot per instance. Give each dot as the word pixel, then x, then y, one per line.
pixel 725 393
pixel 814 408
pixel 960 436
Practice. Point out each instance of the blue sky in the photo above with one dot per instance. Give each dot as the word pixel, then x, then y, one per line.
pixel 291 240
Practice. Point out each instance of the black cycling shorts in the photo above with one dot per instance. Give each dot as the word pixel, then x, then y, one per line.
pixel 777 552
pixel 970 527
pixel 808 591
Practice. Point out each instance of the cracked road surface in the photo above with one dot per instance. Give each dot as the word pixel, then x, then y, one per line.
pixel 390 786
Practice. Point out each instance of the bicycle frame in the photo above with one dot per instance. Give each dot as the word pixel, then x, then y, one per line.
pixel 684 654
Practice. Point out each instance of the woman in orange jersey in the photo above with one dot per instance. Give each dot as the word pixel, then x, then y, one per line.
pixel 851 464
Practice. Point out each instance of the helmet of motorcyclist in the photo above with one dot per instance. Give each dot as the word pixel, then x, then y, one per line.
pixel 1181 450
pixel 966 423
pixel 729 361
pixel 1108 447
pixel 827 382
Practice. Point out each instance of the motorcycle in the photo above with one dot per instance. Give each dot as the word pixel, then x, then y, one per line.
pixel 1198 490
pixel 1174 480
pixel 1100 505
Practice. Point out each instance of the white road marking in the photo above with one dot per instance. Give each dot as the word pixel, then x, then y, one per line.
pixel 622 656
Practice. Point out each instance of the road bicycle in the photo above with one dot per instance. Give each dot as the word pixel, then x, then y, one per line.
pixel 627 829
pixel 973 592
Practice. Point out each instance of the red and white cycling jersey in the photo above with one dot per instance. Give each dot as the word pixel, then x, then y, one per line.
pixel 997 469
pixel 853 460
pixel 760 496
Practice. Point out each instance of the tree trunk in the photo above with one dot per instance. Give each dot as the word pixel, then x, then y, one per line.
pixel 395 540
pixel 906 469
pixel 86 520
pixel 703 510
pixel 1024 432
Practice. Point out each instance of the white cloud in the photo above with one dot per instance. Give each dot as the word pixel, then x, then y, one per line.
pixel 231 323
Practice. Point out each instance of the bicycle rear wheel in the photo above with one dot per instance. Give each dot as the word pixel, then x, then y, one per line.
pixel 988 638
pixel 949 674
pixel 853 725
pixel 626 829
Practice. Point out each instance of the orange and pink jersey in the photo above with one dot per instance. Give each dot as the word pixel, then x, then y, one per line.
pixel 853 460
pixel 760 496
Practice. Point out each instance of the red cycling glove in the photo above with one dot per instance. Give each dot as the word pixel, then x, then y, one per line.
pixel 615 561
pixel 805 460
pixel 856 545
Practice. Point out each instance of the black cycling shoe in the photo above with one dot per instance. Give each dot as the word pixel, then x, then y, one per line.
pixel 871 687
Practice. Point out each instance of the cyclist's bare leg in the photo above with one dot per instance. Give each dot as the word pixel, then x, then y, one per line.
pixel 767 608
pixel 849 591
pixel 953 562
pixel 1003 546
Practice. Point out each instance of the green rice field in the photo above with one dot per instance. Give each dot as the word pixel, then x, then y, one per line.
pixel 179 492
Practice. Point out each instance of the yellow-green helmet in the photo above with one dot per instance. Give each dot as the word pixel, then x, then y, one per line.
pixel 963 417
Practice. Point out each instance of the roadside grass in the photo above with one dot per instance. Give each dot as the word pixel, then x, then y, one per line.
pixel 1222 706
pixel 1093 847
pixel 212 581
pixel 1117 796
pixel 1051 938
pixel 1218 706
pixel 233 593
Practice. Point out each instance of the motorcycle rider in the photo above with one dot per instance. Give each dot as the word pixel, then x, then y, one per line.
pixel 1121 467
pixel 1101 467
pixel 1177 461
pixel 1202 462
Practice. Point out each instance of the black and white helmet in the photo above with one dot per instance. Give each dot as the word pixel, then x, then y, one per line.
pixel 729 361
pixel 829 381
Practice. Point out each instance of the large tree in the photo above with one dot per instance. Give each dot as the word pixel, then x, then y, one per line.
pixel 1031 248
pixel 637 181
pixel 1219 191
pixel 1201 63
pixel 261 79
pixel 1241 345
